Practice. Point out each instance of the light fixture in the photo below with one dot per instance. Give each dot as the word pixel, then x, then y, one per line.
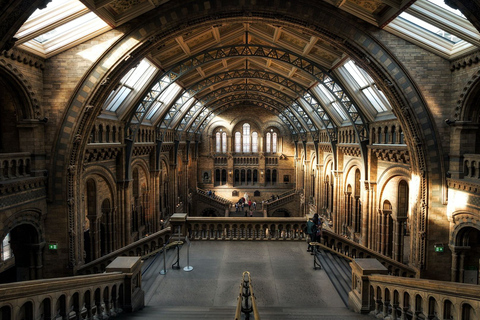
pixel 230 172
pixel 261 172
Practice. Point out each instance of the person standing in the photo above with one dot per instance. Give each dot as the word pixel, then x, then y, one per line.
pixel 311 230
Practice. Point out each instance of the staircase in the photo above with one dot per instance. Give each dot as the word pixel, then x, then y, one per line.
pixel 225 313
pixel 285 284
pixel 338 271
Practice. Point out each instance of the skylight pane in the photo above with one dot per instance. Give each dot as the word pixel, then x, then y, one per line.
pixel 50 7
pixel 442 4
pixel 355 72
pixel 429 27
pixel 134 75
pixel 339 110
pixel 156 105
pixel 374 100
pixel 67 27
pixel 117 98
pixel 327 93
pixel 168 95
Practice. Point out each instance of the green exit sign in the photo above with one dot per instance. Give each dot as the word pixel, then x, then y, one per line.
pixel 439 248
pixel 52 246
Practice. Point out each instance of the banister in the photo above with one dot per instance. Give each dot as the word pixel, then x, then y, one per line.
pixel 130 247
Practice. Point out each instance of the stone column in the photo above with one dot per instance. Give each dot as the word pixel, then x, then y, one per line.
pixel 461 267
pixel 454 265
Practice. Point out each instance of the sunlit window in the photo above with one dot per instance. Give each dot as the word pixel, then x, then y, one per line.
pixel 218 142
pixel 267 142
pixel 246 137
pixel 224 142
pixel 274 142
pixel 6 249
pixel 61 25
pixel 429 27
pixel 221 141
pixel 441 4
pixel 330 101
pixel 166 98
pixel 366 85
pixel 271 142
pixel 134 80
pixel 238 142
pixel 255 142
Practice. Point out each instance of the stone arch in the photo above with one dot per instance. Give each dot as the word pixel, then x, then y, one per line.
pixel 30 105
pixel 466 109
pixel 358 44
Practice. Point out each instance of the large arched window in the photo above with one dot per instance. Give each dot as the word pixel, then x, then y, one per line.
pixel 238 142
pixel 218 142
pixel 224 142
pixel 221 142
pixel 246 137
pixel 268 141
pixel 274 142
pixel 254 142
pixel 271 142
pixel 6 249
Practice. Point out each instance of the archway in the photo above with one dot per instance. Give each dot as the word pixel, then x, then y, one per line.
pixel 466 255
pixel 27 250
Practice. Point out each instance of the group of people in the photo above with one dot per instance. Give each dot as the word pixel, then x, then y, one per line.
pixel 211 193
pixel 242 203
pixel 314 230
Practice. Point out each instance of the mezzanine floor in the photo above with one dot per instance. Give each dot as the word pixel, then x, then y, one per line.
pixel 284 282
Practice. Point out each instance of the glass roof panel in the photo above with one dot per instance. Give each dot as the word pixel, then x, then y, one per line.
pixel 442 4
pixel 374 100
pixel 69 26
pixel 429 27
pixel 54 4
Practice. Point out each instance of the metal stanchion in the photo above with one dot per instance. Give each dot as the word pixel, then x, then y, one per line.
pixel 164 271
pixel 188 267
pixel 176 264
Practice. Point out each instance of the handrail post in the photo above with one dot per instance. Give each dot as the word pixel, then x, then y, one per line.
pixel 358 298
pixel 131 267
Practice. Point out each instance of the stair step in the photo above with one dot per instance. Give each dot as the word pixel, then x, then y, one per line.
pixel 338 273
pixel 266 313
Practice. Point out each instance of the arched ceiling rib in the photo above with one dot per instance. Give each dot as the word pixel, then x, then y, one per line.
pixel 316 72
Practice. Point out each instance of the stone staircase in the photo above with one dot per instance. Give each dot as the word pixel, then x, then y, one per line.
pixel 224 313
pixel 185 306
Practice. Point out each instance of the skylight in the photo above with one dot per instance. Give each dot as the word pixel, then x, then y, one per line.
pixel 166 98
pixel 441 4
pixel 427 26
pixel 436 27
pixel 58 27
pixel 364 87
pixel 132 82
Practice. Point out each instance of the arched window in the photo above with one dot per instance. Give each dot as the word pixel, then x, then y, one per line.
pixel 218 142
pixel 402 210
pixel 6 250
pixel 254 142
pixel 274 142
pixel 238 142
pixel 268 142
pixel 271 142
pixel 224 142
pixel 246 137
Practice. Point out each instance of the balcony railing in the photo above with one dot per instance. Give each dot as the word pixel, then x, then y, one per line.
pixel 97 296
pixel 137 248
pixel 207 228
pixel 389 297
pixel 14 165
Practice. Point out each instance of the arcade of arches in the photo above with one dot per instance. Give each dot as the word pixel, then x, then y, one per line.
pixel 105 137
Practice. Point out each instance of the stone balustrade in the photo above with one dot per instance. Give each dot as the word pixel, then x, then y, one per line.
pixel 137 248
pixel 354 250
pixel 80 297
pixel 471 166
pixel 14 165
pixel 207 228
pixel 389 297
